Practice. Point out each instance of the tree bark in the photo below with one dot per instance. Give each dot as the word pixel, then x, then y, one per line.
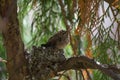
pixel 83 62
pixel 12 40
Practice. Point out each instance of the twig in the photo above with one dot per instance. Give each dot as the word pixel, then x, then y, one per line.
pixel 64 14
pixel 82 74
pixel 61 75
pixel 76 74
pixel 88 74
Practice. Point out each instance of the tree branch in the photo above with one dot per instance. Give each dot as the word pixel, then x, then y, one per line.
pixel 83 62
pixel 64 14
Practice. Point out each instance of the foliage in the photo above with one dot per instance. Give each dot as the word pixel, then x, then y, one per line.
pixel 100 76
pixel 3 72
pixel 48 18
pixel 91 35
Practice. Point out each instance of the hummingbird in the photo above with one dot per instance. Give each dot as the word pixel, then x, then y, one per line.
pixel 58 40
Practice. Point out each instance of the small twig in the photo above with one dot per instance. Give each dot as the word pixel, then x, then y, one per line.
pixel 61 75
pixel 65 76
pixel 88 74
pixel 118 27
pixel 82 74
pixel 76 74
pixel 64 14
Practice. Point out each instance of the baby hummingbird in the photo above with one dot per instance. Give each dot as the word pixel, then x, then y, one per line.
pixel 58 40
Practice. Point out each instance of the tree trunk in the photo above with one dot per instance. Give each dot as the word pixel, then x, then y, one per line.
pixel 12 40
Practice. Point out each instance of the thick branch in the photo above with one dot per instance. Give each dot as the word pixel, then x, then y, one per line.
pixel 83 62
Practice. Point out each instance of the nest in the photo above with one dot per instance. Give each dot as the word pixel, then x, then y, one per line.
pixel 43 62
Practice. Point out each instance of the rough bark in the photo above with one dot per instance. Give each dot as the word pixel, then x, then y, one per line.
pixel 83 62
pixel 12 40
